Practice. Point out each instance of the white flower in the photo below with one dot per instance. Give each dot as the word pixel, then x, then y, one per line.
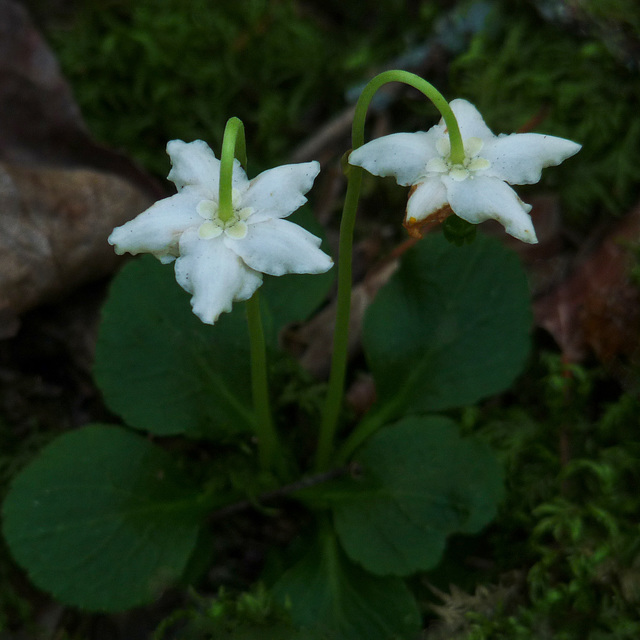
pixel 222 262
pixel 475 190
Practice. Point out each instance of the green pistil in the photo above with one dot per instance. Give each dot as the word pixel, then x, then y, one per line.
pixel 233 145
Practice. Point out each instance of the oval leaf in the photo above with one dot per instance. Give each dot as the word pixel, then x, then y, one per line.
pixel 420 483
pixel 449 328
pixel 330 595
pixel 164 371
pixel 102 519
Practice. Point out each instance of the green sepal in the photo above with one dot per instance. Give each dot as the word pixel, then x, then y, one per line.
pixel 458 231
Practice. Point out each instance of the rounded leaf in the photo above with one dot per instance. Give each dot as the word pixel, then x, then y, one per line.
pixel 164 371
pixel 329 594
pixel 449 328
pixel 102 519
pixel 420 483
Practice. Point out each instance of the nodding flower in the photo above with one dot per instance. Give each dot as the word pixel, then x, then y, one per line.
pixel 220 259
pixel 476 189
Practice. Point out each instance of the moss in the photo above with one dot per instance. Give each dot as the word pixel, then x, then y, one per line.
pixel 150 71
pixel 568 524
pixel 523 71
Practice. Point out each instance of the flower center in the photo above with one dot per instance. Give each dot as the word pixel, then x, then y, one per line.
pixel 472 160
pixel 213 226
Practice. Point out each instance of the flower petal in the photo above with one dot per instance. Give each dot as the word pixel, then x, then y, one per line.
pixel 470 121
pixel 520 157
pixel 428 198
pixel 195 164
pixel 158 229
pixel 277 247
pixel 402 155
pixel 214 275
pixel 278 192
pixel 482 198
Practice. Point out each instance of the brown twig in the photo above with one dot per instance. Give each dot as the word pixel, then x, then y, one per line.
pixel 270 497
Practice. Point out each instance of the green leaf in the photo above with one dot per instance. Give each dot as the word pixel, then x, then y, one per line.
pixel 163 370
pixel 329 594
pixel 102 519
pixel 420 483
pixel 450 327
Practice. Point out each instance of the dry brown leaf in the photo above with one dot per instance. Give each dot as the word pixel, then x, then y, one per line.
pixel 598 306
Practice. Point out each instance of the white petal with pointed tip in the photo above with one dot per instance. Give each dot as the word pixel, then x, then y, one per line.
pixel 157 230
pixel 193 163
pixel 428 197
pixel 484 198
pixel 277 247
pixel 219 263
pixel 214 275
pixel 470 121
pixel 519 158
pixel 278 192
pixel 402 155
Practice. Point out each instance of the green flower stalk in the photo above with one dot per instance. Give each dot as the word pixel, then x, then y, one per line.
pixel 333 403
pixel 233 146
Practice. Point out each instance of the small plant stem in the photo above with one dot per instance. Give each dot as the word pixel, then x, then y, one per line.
pixel 233 146
pixel 367 427
pixel 268 442
pixel 270 497
pixel 333 402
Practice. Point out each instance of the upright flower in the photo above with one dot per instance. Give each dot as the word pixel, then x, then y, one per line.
pixel 476 189
pixel 217 260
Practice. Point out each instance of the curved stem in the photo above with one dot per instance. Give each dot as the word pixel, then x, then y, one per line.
pixel 439 101
pixel 233 145
pixel 268 442
pixel 333 401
